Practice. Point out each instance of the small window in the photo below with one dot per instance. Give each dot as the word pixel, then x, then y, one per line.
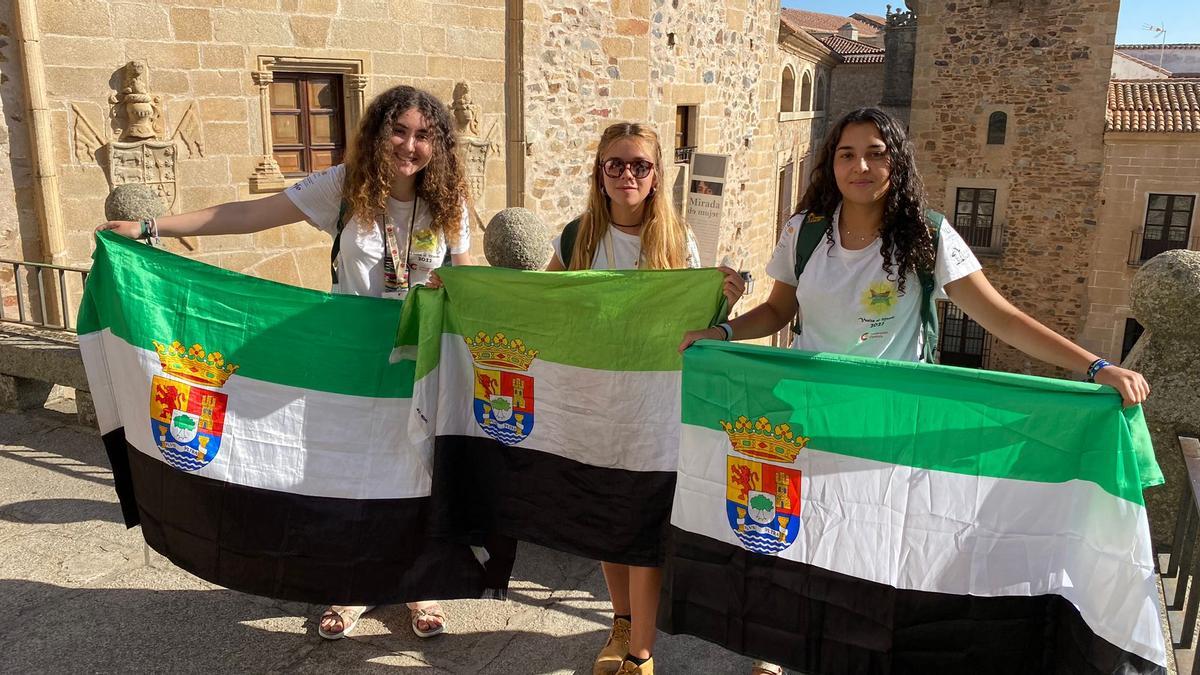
pixel 819 103
pixel 307 130
pixel 1168 223
pixel 787 93
pixel 974 216
pixel 961 342
pixel 806 92
pixel 1133 331
pixel 685 140
pixel 997 128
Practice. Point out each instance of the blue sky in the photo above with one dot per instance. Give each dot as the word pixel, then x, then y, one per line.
pixel 1181 17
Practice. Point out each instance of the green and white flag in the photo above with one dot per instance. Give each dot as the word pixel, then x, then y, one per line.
pixel 837 514
pixel 552 399
pixel 257 432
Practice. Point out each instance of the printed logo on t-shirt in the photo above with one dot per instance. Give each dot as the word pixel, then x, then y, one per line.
pixel 879 298
pixel 424 249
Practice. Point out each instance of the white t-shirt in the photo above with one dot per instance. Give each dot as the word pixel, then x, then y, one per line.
pixel 360 258
pixel 626 251
pixel 847 303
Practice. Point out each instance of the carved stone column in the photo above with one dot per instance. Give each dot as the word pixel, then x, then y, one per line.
pixel 356 102
pixel 267 177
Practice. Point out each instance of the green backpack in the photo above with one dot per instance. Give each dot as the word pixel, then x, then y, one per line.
pixel 812 232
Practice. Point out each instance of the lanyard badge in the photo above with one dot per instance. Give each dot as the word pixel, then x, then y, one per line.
pixel 395 264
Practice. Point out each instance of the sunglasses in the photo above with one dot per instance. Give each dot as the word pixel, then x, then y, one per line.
pixel 615 168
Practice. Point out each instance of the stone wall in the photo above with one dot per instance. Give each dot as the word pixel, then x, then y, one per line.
pixel 18 223
pixel 854 85
pixel 1047 65
pixel 1135 165
pixel 204 54
pixel 588 65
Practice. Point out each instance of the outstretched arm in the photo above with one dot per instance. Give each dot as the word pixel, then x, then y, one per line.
pixel 765 319
pixel 232 218
pixel 976 296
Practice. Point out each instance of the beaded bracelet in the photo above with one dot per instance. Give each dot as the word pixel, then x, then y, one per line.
pixel 1096 366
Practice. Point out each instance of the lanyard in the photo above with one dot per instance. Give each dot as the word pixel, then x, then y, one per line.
pixel 395 267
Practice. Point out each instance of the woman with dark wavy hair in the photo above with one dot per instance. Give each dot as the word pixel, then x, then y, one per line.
pixel 870 243
pixel 394 209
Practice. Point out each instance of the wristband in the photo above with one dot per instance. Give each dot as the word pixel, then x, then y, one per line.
pixel 147 225
pixel 727 330
pixel 1096 367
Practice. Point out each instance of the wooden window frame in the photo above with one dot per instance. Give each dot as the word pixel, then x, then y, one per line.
pixel 304 113
pixel 1166 225
pixel 971 235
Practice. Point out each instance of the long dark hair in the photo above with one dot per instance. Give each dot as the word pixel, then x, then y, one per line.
pixel 369 163
pixel 907 244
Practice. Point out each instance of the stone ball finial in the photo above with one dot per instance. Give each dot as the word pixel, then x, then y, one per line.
pixel 133 201
pixel 1163 294
pixel 518 239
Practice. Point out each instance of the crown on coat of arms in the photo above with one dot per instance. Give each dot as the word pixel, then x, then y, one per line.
pixel 500 352
pixel 193 364
pixel 762 440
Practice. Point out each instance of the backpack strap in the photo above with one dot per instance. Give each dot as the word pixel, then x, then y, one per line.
pixel 567 242
pixel 812 231
pixel 929 314
pixel 337 242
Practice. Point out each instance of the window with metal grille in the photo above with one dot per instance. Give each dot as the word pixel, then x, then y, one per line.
pixel 997 128
pixel 307 130
pixel 1168 222
pixel 974 215
pixel 962 342
pixel 685 140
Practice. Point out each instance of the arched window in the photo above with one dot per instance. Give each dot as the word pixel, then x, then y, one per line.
pixel 819 103
pixel 997 128
pixel 787 94
pixel 806 92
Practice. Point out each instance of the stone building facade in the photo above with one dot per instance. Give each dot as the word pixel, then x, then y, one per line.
pixel 1008 124
pixel 1151 192
pixel 231 85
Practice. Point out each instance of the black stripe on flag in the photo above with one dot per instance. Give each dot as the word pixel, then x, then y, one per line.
pixel 289 546
pixel 483 487
pixel 821 622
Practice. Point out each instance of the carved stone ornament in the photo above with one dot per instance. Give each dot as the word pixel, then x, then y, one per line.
pixel 473 150
pixel 148 162
pixel 138 150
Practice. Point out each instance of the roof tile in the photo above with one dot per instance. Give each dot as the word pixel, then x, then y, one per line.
pixel 1158 106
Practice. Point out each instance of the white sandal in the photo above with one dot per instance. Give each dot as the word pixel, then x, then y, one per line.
pixel 349 617
pixel 765 668
pixel 429 615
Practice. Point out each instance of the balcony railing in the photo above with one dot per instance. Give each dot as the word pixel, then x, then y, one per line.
pixel 43 297
pixel 684 155
pixel 1138 246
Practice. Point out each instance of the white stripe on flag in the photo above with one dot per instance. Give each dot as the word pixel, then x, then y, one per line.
pixel 613 419
pixel 277 437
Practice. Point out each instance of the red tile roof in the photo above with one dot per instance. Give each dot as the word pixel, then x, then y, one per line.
pixel 1169 45
pixel 1171 105
pixel 852 51
pixel 823 23
pixel 875 20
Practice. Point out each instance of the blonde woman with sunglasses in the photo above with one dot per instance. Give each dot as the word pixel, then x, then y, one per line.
pixel 630 223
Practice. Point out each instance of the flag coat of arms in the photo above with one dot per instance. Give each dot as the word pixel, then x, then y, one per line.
pixel 552 401
pixel 843 515
pixel 257 433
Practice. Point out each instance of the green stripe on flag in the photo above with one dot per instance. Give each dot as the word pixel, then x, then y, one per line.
pixel 335 343
pixel 932 417
pixel 619 320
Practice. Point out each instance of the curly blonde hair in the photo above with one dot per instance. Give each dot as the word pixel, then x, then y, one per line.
pixel 369 168
pixel 664 234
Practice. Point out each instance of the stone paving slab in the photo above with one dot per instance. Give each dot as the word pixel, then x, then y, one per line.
pixel 82 593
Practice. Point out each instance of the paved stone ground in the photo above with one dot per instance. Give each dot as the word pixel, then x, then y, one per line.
pixel 81 593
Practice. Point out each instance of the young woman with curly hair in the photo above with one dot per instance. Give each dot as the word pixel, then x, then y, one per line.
pixel 630 223
pixel 867 195
pixel 394 209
